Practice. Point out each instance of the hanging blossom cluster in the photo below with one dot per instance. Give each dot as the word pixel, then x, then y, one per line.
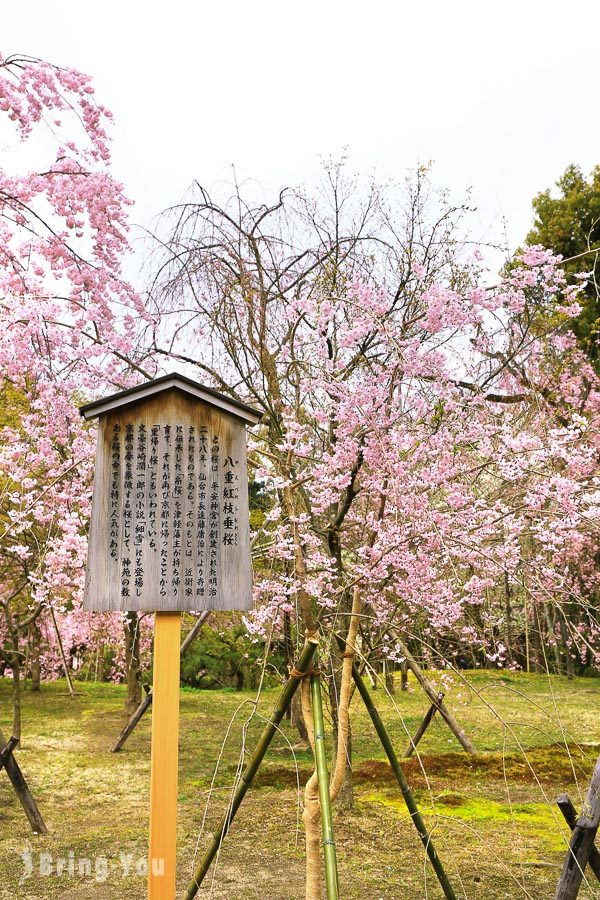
pixel 69 326
pixel 444 456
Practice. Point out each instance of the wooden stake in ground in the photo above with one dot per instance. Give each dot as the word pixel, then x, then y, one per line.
pixel 145 704
pixel 570 814
pixel 433 695
pixel 582 842
pixel 164 763
pixel 8 762
pixel 133 721
pixel 427 718
pixel 62 655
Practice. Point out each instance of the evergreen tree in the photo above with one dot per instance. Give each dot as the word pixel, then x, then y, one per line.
pixel 569 224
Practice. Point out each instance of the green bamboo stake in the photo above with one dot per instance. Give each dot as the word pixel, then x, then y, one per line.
pixel 331 875
pixel 404 786
pixel 251 769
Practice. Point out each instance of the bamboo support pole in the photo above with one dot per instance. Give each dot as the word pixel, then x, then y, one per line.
pixel 254 762
pixel 331 874
pixel 404 786
pixel 164 767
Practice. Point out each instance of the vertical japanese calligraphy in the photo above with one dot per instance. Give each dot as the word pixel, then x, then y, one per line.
pixel 115 492
pixel 165 507
pixel 169 529
pixel 174 507
pixel 201 512
pixel 231 497
pixel 141 503
pixel 127 514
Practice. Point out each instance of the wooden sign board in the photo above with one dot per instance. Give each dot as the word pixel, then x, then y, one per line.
pixel 170 521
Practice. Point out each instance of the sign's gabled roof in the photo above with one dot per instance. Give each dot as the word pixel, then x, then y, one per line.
pixel 168 383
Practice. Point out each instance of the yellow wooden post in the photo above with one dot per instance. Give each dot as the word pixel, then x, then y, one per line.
pixel 175 439
pixel 164 763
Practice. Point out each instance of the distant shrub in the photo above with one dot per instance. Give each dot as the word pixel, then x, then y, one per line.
pixel 591 672
pixel 226 658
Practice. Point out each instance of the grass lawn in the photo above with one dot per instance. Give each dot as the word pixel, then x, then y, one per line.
pixel 495 824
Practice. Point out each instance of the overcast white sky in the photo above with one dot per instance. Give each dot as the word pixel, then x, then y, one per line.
pixel 501 96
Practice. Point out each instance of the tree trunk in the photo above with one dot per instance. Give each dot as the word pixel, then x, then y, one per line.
pixel 390 686
pixel 345 798
pixel 15 663
pixel 288 651
pixel 34 658
pixel 404 675
pixel 132 662
pixel 552 636
pixel 509 624
pixel 567 649
pixel 536 640
pixel 297 717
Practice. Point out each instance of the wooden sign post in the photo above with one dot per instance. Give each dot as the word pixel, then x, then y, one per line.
pixel 169 532
pixel 164 767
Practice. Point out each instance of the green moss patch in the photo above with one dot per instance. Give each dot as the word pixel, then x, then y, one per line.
pixel 539 820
